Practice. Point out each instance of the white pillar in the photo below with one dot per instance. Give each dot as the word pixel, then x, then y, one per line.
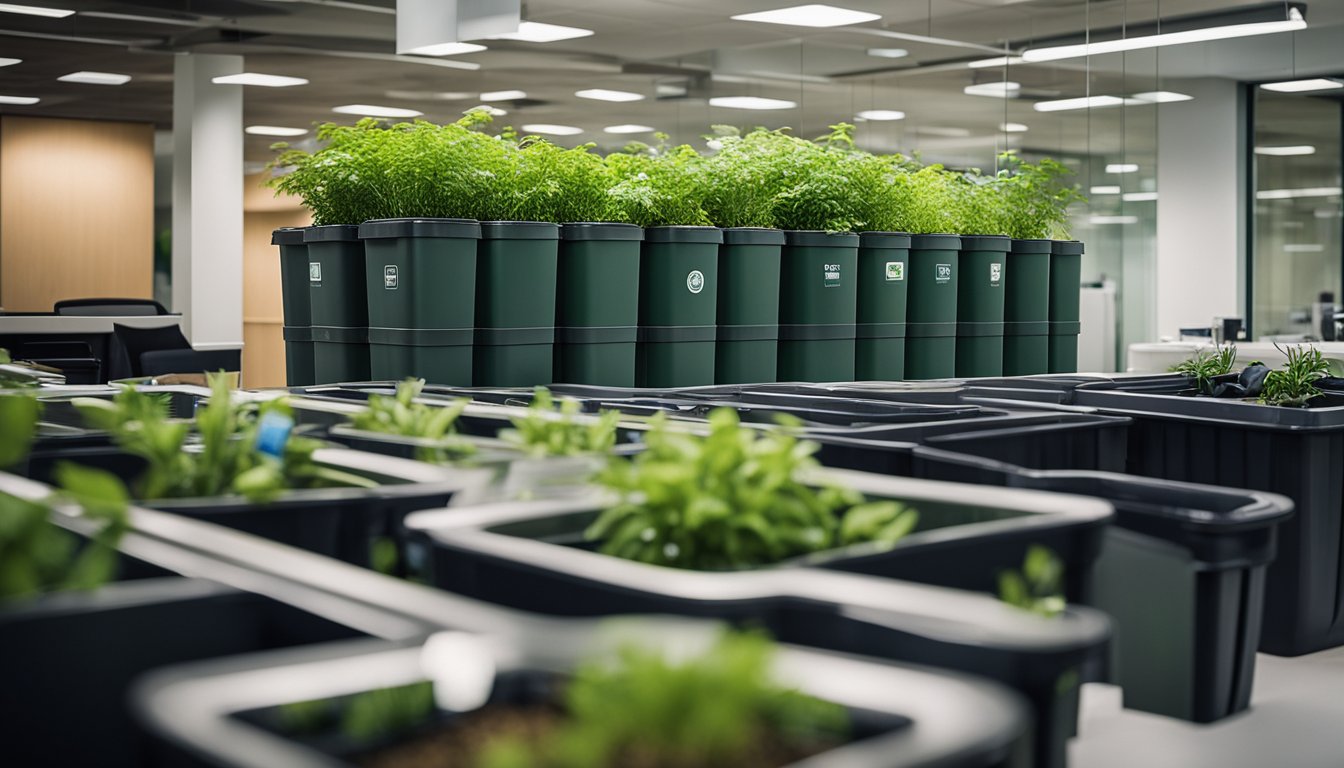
pixel 1201 209
pixel 208 200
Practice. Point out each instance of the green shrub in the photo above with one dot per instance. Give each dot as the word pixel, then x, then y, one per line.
pixel 658 186
pixel 1039 196
pixel 548 430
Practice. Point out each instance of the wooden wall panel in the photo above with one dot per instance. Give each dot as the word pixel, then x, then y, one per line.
pixel 263 311
pixel 76 210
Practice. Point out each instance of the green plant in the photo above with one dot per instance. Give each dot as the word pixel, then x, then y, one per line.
pixel 1039 586
pixel 1038 196
pixel 551 429
pixel 13 380
pixel 555 184
pixel 739 180
pixel 931 202
pixel 402 415
pixel 644 710
pixel 1294 385
pixel 733 499
pixel 658 186
pixel 1207 364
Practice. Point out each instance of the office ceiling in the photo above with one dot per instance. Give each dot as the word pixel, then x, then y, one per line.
pixel 657 47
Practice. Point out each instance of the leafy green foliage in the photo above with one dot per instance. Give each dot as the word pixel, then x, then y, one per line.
pixel 645 710
pixel 1039 586
pixel 930 202
pixel 1038 196
pixel 19 412
pixel 548 429
pixel 739 181
pixel 1206 364
pixel 402 415
pixel 10 380
pixel 555 184
pixel 1294 385
pixel 658 186
pixel 732 499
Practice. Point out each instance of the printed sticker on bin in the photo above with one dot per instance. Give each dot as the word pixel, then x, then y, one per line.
pixel 314 271
pixel 895 270
pixel 390 277
pixel 995 273
pixel 695 281
pixel 832 276
pixel 943 273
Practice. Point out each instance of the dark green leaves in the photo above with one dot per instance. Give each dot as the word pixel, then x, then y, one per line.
pixel 1206 364
pixel 1039 586
pixel 1294 385
pixel 548 430
pixel 18 425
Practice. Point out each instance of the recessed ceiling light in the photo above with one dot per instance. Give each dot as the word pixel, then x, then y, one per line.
pixel 1300 149
pixel 1060 105
pixel 1106 189
pixel 21 100
pixel 372 110
pixel 881 114
pixel 256 78
pixel 274 130
pixel 1288 21
pixel 629 128
pixel 1122 167
pixel 503 95
pixel 1160 97
pixel 32 10
pixel 537 32
pixel 602 94
pixel 549 129
pixel 669 90
pixel 1012 127
pixel 1303 248
pixel 997 61
pixel 1002 89
pixel 95 78
pixel 8 62
pixel 1289 194
pixel 814 15
pixel 489 110
pixel 1300 86
pixel 888 53
pixel 446 49
pixel 1139 197
pixel 936 130
pixel 428 95
pixel 1114 219
pixel 750 102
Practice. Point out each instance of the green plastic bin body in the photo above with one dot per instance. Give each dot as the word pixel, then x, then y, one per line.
pixel 982 272
pixel 298 327
pixel 879 349
pixel 337 302
pixel 421 283
pixel 597 304
pixel 748 315
pixel 1026 309
pixel 1066 277
pixel 931 307
pixel 678 306
pixel 818 298
pixel 515 304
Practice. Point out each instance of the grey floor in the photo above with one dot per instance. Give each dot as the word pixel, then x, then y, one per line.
pixel 1296 720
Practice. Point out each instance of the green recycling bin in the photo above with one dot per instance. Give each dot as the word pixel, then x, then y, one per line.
pixel 818 297
pixel 515 303
pixel 748 316
pixel 879 349
pixel 678 304
pixel 597 304
pixel 298 327
pixel 421 284
pixel 1066 277
pixel 931 307
pixel 981 273
pixel 337 302
pixel 1026 309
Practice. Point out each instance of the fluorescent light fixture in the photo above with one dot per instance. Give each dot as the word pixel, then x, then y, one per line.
pixel 9 62
pixel 428 95
pixel 881 114
pixel 888 53
pixel 602 94
pixel 503 95
pixel 549 129
pixel 273 130
pixel 1114 219
pixel 750 102
pixel 1297 149
pixel 1160 97
pixel 629 128
pixel 489 110
pixel 1122 167
pixel 1012 128
pixel 1139 197
pixel 256 78
pixel 1003 89
pixel 20 100
pixel 669 90
pixel 537 32
pixel 95 78
pixel 997 61
pixel 935 130
pixel 32 10
pixel 1085 102
pixel 1303 248
pixel 1289 194
pixel 446 49
pixel 1105 189
pixel 1283 22
pixel 1302 86
pixel 814 15
pixel 372 110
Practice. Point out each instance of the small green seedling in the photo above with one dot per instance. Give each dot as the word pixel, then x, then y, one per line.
pixel 1294 385
pixel 1207 364
pixel 551 429
pixel 402 415
pixel 1039 586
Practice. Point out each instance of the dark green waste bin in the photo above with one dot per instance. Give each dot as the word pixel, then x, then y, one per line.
pixel 1066 277
pixel 597 304
pixel 337 302
pixel 879 349
pixel 421 282
pixel 748 316
pixel 981 273
pixel 515 303
pixel 1026 309
pixel 818 298
pixel 298 327
pixel 931 307
pixel 678 304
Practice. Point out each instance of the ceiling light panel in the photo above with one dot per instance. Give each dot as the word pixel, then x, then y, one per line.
pixel 1303 86
pixel 1086 102
pixel 628 128
pixel 1290 151
pixel 750 102
pixel 814 15
pixel 1114 219
pixel 1290 194
pixel 603 94
pixel 1013 128
pixel 549 129
pixel 22 101
pixel 881 114
pixel 998 61
pixel 1105 189
pixel 1160 97
pixel 1122 167
pixel 1002 90
pixel 32 10
pixel 373 110
pixel 536 32
pixel 1217 26
pixel 256 78
pixel 9 62
pixel 95 78
pixel 945 132
pixel 503 95
pixel 446 49
pixel 273 130
pixel 1139 197
pixel 888 53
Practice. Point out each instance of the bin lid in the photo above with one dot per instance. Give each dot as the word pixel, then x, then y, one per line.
pixel 935 242
pixel 752 236
pixel 1066 247
pixel 894 240
pixel 288 236
pixel 379 229
pixel 599 230
pixel 683 234
pixel 1032 246
pixel 519 230
pixel 986 243
pixel 815 238
pixel 331 233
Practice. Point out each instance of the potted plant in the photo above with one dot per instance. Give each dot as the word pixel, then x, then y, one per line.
pixel 983 222
pixel 931 308
pixel 883 267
